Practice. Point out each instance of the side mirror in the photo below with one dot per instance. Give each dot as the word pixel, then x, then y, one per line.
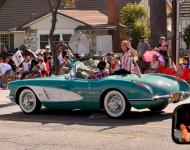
pixel 181 124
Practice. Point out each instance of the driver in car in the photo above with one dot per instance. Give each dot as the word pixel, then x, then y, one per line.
pixel 97 74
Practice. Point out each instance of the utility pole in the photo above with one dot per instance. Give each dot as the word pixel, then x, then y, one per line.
pixel 175 30
pixel 174 13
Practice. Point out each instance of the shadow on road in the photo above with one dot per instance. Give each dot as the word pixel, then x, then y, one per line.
pixel 81 117
pixel 7 105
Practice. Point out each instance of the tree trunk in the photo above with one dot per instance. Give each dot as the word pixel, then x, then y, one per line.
pixel 54 20
pixel 158 21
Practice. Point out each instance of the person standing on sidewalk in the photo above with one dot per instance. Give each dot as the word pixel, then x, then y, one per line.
pixel 61 50
pixel 13 66
pixel 5 70
pixel 47 58
pixel 143 46
pixel 164 47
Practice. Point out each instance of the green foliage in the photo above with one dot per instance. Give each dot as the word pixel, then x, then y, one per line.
pixel 139 29
pixel 186 35
pixel 2 2
pixel 131 13
pixel 137 16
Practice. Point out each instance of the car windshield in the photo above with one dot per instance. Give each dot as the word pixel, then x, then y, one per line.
pixel 89 64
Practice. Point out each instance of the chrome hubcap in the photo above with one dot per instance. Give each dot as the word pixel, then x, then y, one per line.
pixel 27 101
pixel 115 104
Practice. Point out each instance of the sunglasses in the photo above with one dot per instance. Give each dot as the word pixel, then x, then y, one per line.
pixel 163 39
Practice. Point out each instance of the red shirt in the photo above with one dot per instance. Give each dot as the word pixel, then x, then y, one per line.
pixel 100 75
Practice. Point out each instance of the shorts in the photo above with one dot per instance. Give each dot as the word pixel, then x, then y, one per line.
pixel 8 72
pixel 12 73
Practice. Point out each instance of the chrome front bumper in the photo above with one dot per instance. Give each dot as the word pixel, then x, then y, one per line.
pixel 184 92
pixel 181 94
pixel 153 98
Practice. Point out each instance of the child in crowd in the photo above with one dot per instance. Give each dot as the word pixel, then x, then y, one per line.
pixel 154 65
pixel 42 65
pixel 36 73
pixel 180 70
pixel 25 67
pixel 115 64
pixel 186 62
pixel 66 65
pixel 17 76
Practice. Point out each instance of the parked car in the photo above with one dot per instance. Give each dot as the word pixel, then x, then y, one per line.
pixel 116 94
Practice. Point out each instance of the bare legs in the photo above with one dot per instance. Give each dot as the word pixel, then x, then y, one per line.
pixel 64 70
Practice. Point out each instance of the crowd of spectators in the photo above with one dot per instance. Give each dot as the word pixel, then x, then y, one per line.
pixel 40 64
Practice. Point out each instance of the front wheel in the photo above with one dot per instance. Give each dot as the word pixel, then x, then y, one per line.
pixel 116 105
pixel 159 108
pixel 28 102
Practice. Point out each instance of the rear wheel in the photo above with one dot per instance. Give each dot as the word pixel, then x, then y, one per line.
pixel 159 108
pixel 28 102
pixel 116 105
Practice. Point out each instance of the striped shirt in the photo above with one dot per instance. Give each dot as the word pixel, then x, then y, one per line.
pixel 101 74
pixel 126 61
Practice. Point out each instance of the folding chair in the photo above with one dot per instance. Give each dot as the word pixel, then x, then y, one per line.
pixel 161 69
pixel 185 75
pixel 168 71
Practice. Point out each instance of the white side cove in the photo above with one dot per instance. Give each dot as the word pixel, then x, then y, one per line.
pixel 46 94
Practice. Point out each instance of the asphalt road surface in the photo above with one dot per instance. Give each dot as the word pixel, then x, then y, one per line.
pixel 84 130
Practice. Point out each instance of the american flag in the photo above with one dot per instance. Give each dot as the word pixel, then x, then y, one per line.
pixel 136 68
pixel 173 66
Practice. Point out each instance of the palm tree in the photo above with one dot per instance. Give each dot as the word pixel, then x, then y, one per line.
pixel 158 21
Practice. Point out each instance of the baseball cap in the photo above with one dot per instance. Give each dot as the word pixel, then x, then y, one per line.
pixel 141 37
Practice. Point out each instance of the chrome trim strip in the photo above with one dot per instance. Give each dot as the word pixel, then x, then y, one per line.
pixel 153 98
pixel 10 97
pixel 187 92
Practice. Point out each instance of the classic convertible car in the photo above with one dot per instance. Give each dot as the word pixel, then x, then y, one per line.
pixel 116 94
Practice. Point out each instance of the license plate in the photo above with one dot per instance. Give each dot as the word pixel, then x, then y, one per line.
pixel 175 96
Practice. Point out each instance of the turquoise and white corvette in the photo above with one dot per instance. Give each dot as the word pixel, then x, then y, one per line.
pixel 115 94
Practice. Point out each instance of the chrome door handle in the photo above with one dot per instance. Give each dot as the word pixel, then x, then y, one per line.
pixel 88 84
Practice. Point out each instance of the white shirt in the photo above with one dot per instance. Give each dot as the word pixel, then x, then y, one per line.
pixel 18 76
pixel 4 67
pixel 42 66
pixel 26 68
pixel 154 66
pixel 60 57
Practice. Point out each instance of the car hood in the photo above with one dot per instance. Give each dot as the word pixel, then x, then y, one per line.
pixel 159 85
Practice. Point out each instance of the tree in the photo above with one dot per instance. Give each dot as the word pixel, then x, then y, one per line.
pixel 158 21
pixel 138 30
pixel 54 6
pixel 131 13
pixel 186 36
pixel 2 2
pixel 137 16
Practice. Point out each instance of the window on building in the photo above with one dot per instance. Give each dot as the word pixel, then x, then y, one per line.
pixel 56 38
pixel 66 38
pixel 4 40
pixel 43 41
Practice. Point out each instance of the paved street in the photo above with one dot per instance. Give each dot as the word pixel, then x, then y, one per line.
pixel 81 130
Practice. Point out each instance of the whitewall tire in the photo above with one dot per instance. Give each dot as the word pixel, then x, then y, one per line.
pixel 28 102
pixel 116 105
